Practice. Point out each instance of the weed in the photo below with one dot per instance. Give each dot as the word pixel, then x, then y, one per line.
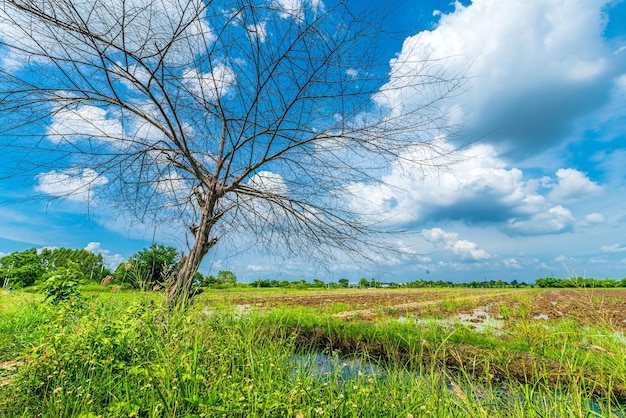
pixel 125 354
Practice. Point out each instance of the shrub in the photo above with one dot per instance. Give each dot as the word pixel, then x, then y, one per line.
pixel 62 284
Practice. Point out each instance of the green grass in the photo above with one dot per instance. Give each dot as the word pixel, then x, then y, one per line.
pixel 121 355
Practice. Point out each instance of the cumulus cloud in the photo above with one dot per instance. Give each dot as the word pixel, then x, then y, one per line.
pixel 257 32
pixel 174 186
pixel 450 241
pixel 86 121
pixel 268 182
pixel 555 220
pixel 595 218
pixel 210 86
pixel 111 261
pixel 73 184
pixel 480 189
pixel 534 67
pixel 147 34
pixel 592 219
pixel 295 9
pixel 614 248
pixel 573 185
pixel 512 263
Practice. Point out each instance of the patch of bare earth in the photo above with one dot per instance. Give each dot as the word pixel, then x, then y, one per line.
pixel 585 306
pixel 413 307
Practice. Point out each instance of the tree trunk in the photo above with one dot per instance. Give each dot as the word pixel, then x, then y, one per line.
pixel 180 291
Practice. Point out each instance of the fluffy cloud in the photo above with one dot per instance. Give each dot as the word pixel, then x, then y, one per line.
pixel 450 241
pixel 594 219
pixel 257 32
pixel 85 122
pixel 174 187
pixel 614 248
pixel 111 261
pixel 268 182
pixel 555 220
pixel 481 188
pixel 534 67
pixel 295 9
pixel 148 30
pixel 74 184
pixel 573 185
pixel 210 86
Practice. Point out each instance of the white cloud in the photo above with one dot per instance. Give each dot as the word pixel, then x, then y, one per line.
pixel 148 30
pixel 573 185
pixel 295 9
pixel 598 260
pixel 174 186
pixel 512 263
pixel 74 183
pixel 352 73
pixel 481 188
pixel 257 32
pixel 258 268
pixel 450 241
pixel 555 220
pixel 86 121
pixel 266 181
pixel 111 261
pixel 614 248
pixel 210 86
pixel 594 219
pixel 534 67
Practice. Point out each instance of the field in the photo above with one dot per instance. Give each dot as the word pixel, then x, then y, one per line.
pixel 303 353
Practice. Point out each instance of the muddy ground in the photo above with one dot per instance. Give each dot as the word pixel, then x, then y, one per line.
pixel 585 306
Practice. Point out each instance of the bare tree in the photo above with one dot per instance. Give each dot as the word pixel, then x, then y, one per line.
pixel 250 116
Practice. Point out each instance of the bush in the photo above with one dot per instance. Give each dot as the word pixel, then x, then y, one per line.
pixel 62 284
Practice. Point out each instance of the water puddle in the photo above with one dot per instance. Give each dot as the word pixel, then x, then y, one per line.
pixel 479 320
pixel 322 366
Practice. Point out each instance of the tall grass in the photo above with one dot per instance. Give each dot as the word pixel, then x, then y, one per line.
pixel 125 356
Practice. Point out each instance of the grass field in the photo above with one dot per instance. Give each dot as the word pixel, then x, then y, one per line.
pixel 305 353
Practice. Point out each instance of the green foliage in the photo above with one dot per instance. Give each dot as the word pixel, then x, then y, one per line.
pixel 576 282
pixel 121 357
pixel 90 265
pixel 148 267
pixel 62 284
pixel 21 269
pixel 224 279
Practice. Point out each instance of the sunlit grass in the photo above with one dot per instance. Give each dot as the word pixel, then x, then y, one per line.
pixel 124 354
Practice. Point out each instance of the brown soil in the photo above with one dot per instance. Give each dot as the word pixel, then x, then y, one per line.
pixel 585 306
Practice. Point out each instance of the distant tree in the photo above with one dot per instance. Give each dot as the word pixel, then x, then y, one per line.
pixel 344 282
pixel 227 278
pixel 226 118
pixel 149 267
pixel 318 283
pixel 90 265
pixel 363 283
pixel 21 269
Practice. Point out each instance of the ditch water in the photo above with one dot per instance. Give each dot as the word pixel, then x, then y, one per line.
pixel 324 367
pixel 479 320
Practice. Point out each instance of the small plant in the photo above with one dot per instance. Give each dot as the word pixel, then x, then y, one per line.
pixel 62 284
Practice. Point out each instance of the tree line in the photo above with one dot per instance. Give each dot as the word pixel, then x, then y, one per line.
pixel 151 268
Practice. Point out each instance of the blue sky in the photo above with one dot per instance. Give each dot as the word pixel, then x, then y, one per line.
pixel 538 190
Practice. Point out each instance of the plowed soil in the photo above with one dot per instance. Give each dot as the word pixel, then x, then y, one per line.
pixel 585 306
